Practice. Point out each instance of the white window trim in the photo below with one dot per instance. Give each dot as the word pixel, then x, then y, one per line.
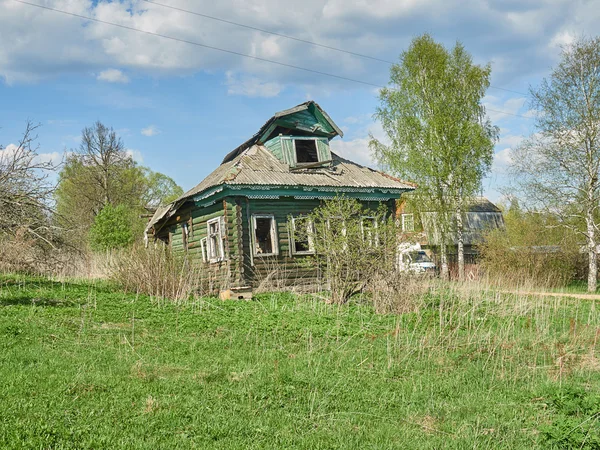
pixel 185 235
pixel 204 249
pixel 375 226
pixel 404 216
pixel 310 232
pixel 274 240
pixel 221 256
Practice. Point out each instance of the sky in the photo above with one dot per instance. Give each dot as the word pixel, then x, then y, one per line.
pixel 180 107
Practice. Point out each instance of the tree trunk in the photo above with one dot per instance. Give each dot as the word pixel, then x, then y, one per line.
pixel 460 244
pixel 593 262
pixel 445 273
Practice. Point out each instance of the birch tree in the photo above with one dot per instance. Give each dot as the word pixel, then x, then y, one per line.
pixel 556 169
pixel 439 135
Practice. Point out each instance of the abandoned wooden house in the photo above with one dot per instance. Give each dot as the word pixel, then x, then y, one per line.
pixel 240 221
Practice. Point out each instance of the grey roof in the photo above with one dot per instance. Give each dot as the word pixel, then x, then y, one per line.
pixel 254 139
pixel 257 166
pixel 482 216
pixel 482 204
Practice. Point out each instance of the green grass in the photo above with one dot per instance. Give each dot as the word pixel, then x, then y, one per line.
pixel 86 366
pixel 575 287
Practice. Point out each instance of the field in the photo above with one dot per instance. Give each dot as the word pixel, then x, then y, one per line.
pixel 84 365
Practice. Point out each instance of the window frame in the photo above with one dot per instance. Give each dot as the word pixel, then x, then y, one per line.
pixel 372 241
pixel 209 242
pixel 295 154
pixel 274 238
pixel 204 249
pixel 310 234
pixel 404 227
pixel 185 234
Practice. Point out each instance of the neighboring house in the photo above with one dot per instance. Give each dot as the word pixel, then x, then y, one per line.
pixel 240 220
pixel 482 216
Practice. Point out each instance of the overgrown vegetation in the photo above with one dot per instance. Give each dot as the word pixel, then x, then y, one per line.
pixel 86 366
pixel 156 272
pixel 356 248
pixel 532 250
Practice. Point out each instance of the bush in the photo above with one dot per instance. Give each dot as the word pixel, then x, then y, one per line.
pixel 356 249
pixel 532 250
pixel 112 229
pixel 543 266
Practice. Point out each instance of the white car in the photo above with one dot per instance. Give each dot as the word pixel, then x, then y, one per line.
pixel 413 259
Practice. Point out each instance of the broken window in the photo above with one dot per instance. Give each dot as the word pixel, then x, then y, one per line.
pixel 265 236
pixel 302 236
pixel 408 223
pixel 214 240
pixel 306 151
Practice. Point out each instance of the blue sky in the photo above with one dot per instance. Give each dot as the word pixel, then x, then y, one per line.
pixel 180 108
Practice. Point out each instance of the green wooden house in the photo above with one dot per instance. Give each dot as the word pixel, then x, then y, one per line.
pixel 239 222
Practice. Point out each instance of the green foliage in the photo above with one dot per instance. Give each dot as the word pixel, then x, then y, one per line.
pixel 160 189
pixel 532 249
pixel 352 243
pixel 111 229
pixel 434 118
pixel 100 173
pixel 86 366
pixel 577 425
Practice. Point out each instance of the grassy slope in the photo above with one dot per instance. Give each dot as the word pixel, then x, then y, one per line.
pixel 84 366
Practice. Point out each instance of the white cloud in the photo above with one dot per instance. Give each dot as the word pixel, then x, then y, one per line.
pixel 39 43
pixel 113 76
pixel 50 157
pixel 150 131
pixel 356 146
pixel 502 110
pixel 250 86
pixel 136 155
pixel 356 150
pixel 502 160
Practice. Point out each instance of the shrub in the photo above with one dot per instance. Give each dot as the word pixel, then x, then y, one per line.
pixel 356 249
pixel 111 229
pixel 533 250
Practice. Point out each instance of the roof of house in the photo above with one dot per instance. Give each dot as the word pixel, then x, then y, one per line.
pixel 286 112
pixel 257 166
pixel 482 204
pixel 482 216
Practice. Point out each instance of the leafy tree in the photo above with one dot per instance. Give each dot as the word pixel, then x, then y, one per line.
pixel 160 189
pixel 111 228
pixel 101 173
pixel 438 131
pixel 556 170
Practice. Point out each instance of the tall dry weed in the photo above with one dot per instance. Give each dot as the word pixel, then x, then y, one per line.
pixel 156 272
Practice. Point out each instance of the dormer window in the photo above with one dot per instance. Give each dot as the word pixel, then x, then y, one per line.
pixel 306 151
pixel 300 151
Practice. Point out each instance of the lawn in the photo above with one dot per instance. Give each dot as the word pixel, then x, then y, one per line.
pixel 84 365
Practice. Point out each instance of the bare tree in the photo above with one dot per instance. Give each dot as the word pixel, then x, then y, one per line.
pixel 557 168
pixel 25 189
pixel 103 153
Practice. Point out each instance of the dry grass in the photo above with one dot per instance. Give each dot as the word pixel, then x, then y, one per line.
pixel 157 273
